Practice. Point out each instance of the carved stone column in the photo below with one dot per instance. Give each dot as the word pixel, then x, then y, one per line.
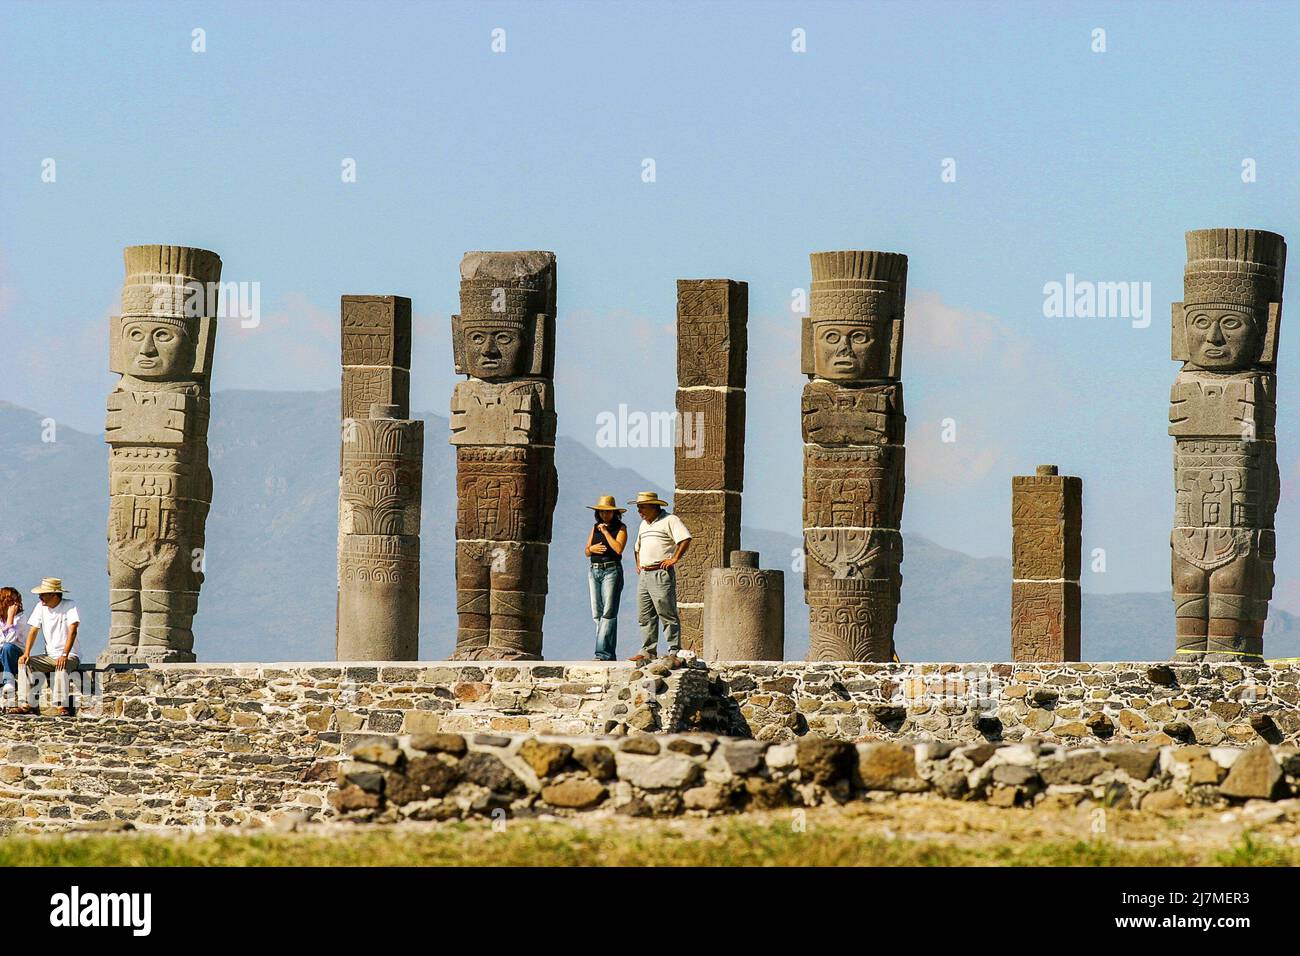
pixel 853 453
pixel 382 622
pixel 1221 415
pixel 1046 542
pixel 744 612
pixel 712 339
pixel 379 537
pixel 160 487
pixel 503 427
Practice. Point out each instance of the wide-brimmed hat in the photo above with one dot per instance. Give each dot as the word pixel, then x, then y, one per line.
pixel 648 498
pixel 606 503
pixel 49 586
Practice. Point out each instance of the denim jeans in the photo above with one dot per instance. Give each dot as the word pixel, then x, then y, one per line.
pixel 656 602
pixel 606 582
pixel 9 654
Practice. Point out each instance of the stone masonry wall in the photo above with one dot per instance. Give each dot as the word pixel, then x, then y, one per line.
pixel 235 744
pixel 1208 704
pixel 450 776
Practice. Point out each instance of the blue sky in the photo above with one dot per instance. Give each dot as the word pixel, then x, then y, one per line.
pixel 1067 160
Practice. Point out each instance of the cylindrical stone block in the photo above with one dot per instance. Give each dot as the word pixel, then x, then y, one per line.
pixel 744 612
pixel 379 597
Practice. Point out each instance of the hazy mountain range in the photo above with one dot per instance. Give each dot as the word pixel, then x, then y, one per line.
pixel 270 590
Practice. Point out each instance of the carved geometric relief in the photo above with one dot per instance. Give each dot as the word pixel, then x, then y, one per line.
pixel 502 413
pixel 712 317
pixel 710 450
pixel 1045 621
pixel 714 522
pixel 836 415
pixel 853 487
pixel 504 493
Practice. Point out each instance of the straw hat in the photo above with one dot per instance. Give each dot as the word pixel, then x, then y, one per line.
pixel 49 586
pixel 606 503
pixel 648 498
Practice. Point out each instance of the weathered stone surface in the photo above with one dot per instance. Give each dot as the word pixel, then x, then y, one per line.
pixel 711 797
pixel 889 766
pixel 709 456
pixel 160 486
pixel 639 745
pixel 503 426
pixel 379 484
pixel 1255 774
pixel 574 794
pixel 352 798
pixel 487 770
pixel 853 453
pixel 1221 416
pixel 1138 762
pixel 825 761
pixel 669 770
pixel 1046 541
pixel 1076 769
pixel 423 777
pixel 440 743
pixel 743 756
pixel 384 754
pixel 744 612
pixel 596 760
pixel 544 757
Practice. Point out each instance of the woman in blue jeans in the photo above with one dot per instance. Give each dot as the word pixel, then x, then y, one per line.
pixel 12 642
pixel 605 547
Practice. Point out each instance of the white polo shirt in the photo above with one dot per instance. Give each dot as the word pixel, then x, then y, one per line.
pixel 54 623
pixel 658 539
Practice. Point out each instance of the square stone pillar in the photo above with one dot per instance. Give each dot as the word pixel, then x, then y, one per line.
pixel 376 354
pixel 1046 543
pixel 712 339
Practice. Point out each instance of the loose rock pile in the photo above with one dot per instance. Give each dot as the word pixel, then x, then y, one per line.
pixel 451 776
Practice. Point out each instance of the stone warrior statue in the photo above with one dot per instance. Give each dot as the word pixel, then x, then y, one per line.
pixel 157 428
pixel 853 453
pixel 1221 415
pixel 503 427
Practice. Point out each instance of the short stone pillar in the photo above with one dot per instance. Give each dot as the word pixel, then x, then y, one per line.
pixel 744 612
pixel 1046 544
pixel 379 537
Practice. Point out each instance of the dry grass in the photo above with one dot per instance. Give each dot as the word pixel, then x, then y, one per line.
pixel 903 832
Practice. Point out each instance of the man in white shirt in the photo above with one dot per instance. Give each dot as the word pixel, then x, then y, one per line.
pixel 661 540
pixel 57 619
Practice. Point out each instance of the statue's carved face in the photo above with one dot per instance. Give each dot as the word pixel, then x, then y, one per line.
pixel 845 353
pixel 158 350
pixel 495 353
pixel 1219 337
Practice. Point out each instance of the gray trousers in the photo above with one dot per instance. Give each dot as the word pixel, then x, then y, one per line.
pixel 656 601
pixel 45 665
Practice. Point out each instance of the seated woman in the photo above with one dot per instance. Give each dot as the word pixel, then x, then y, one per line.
pixel 11 642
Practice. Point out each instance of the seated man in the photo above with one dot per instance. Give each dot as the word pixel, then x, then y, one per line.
pixel 57 619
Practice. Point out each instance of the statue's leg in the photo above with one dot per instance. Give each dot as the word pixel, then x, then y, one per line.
pixel 1191 609
pixel 169 598
pixel 124 606
pixel 518 602
pixel 1236 631
pixel 473 576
